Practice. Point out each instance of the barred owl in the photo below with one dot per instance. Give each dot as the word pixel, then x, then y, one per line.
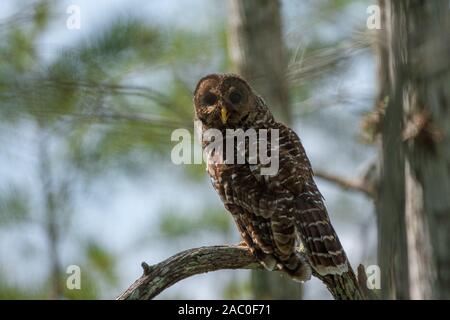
pixel 276 214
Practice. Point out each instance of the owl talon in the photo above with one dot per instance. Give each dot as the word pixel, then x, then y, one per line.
pixel 242 244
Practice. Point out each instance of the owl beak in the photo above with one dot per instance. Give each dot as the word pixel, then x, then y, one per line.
pixel 224 114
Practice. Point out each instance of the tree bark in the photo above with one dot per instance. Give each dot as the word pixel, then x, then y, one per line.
pixel 415 206
pixel 190 262
pixel 257 52
pixel 426 107
pixel 392 243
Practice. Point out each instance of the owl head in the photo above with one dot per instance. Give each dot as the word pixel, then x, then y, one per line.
pixel 224 101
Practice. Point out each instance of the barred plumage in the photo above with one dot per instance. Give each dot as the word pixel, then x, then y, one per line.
pixel 274 213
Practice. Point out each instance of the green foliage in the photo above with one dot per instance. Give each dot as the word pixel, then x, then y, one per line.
pixel 14 206
pixel 41 15
pixel 85 85
pixel 11 292
pixel 238 289
pixel 21 50
pixel 101 261
pixel 175 225
pixel 90 287
pixel 87 99
pixel 331 7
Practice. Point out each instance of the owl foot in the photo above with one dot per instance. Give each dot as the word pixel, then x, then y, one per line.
pixel 269 262
pixel 242 244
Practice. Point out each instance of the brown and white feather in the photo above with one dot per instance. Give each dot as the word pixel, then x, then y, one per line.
pixel 278 213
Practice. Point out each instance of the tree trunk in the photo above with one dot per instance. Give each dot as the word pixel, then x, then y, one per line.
pixel 416 152
pixel 50 218
pixel 257 51
pixel 392 243
pixel 426 107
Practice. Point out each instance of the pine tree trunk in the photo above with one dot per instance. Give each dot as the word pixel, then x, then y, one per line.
pixel 416 151
pixel 257 51
pixel 392 243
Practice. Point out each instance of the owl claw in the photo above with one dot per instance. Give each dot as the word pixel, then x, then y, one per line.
pixel 242 244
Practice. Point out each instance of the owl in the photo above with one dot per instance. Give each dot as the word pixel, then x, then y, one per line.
pixel 276 214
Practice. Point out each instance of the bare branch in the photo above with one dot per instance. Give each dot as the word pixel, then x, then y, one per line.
pixel 190 262
pixel 347 184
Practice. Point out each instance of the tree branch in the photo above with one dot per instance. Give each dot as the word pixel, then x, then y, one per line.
pixel 190 262
pixel 347 184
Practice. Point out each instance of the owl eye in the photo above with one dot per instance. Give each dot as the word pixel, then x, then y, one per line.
pixel 235 97
pixel 209 99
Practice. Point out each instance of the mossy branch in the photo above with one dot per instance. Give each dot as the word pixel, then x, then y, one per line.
pixel 182 265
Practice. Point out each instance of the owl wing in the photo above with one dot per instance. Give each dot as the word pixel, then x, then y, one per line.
pixel 282 206
pixel 262 217
pixel 297 198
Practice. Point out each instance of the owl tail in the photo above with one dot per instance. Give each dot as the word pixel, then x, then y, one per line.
pixel 324 250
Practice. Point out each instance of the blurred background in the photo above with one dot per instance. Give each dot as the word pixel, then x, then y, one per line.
pixel 87 108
